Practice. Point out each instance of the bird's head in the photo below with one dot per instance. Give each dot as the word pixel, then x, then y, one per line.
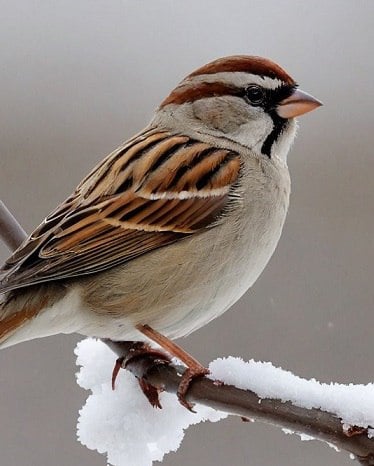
pixel 249 100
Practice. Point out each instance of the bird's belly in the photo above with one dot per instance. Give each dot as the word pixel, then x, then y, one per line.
pixel 218 274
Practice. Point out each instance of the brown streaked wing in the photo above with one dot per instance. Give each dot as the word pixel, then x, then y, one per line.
pixel 154 190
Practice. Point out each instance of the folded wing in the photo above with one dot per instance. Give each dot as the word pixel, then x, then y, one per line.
pixel 154 190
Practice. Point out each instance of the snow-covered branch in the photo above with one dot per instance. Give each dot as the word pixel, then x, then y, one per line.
pixel 123 424
pixel 341 415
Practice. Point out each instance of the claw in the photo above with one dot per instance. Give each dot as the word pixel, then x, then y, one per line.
pixel 151 393
pixel 148 358
pixel 116 369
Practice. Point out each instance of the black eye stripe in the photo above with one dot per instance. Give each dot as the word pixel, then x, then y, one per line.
pixel 282 92
pixel 268 99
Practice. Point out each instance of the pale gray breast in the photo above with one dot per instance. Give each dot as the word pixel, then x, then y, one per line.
pixel 180 288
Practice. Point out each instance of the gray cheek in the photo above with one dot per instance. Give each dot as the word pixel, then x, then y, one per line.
pixel 233 118
pixel 225 114
pixel 253 132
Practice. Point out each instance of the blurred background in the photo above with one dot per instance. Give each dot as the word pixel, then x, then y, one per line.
pixel 77 77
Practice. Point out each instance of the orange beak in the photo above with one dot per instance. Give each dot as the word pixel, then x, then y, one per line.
pixel 297 104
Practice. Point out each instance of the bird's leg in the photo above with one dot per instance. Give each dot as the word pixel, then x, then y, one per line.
pixel 147 357
pixel 194 368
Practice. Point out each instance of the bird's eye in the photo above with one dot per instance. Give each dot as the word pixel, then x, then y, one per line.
pixel 255 94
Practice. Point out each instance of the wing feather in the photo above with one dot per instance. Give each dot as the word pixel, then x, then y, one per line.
pixel 154 190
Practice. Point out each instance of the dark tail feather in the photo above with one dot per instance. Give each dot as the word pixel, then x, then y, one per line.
pixel 13 315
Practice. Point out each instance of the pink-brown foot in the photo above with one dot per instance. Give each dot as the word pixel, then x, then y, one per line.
pixel 194 368
pixel 189 375
pixel 143 354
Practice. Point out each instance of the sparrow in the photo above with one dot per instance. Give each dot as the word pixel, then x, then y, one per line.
pixel 174 226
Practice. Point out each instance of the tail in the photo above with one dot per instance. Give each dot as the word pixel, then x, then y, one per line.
pixel 12 319
pixel 10 324
pixel 19 308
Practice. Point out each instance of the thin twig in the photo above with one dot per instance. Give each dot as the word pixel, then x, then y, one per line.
pixel 314 422
pixel 11 231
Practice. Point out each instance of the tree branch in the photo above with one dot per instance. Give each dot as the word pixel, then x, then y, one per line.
pixel 314 422
pixel 11 231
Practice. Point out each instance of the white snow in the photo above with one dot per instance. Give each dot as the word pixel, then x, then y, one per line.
pixel 123 425
pixel 353 403
pixel 303 437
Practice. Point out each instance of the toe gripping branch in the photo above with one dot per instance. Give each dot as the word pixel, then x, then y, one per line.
pixel 143 359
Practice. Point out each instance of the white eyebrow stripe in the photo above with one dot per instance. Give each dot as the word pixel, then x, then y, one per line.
pixel 235 78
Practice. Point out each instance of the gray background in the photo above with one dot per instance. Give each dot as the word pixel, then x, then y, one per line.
pixel 77 77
